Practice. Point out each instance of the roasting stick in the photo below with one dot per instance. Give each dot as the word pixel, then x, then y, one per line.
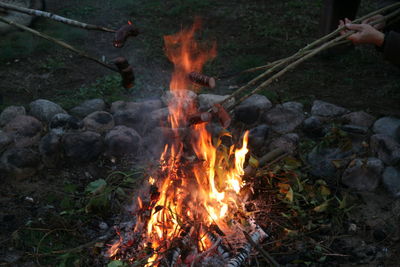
pixel 307 50
pixel 39 13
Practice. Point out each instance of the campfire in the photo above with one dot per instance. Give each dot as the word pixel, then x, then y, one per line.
pixel 191 211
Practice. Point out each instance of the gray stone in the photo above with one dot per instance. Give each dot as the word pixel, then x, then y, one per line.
pixel 215 129
pixel 24 130
pixel 50 148
pixel 363 174
pixel 250 109
pixel 324 109
pixel 313 126
pixel 283 120
pixel 5 140
pixel 294 106
pixel 321 162
pixel 169 97
pixel 10 113
pixel 354 129
pixel 20 162
pixel 389 126
pixel 385 148
pixel 82 147
pixel 258 135
pixel 145 105
pixel 157 118
pixel 206 101
pixel 132 117
pixel 44 110
pixel 121 141
pixel 359 118
pixel 391 180
pixel 88 107
pixel 99 121
pixel 287 142
pixel 62 123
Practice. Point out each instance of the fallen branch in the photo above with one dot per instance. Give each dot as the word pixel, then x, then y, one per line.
pixel 39 13
pixel 264 253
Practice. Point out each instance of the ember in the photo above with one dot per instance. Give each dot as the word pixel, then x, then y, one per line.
pixel 193 208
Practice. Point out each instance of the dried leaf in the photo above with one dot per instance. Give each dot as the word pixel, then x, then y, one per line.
pixel 292 163
pixel 337 163
pixel 323 207
pixel 325 191
pixel 289 195
pixel 253 162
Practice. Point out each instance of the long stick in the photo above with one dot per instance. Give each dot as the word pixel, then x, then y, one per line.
pixel 58 42
pixel 304 51
pixel 55 17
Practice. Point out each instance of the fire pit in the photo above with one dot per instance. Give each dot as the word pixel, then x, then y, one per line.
pixel 192 211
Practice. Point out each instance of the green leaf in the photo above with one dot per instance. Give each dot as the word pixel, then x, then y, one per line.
pixel 96 187
pixel 292 163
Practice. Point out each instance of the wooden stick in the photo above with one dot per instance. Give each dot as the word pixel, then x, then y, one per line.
pixel 264 253
pixel 39 13
pixel 58 42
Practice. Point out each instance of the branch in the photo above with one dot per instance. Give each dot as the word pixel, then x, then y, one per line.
pixel 39 13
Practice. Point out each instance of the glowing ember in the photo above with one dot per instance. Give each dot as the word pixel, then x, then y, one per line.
pixel 188 197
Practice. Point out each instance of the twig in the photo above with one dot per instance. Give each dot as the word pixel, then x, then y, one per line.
pixel 39 13
pixel 264 253
pixel 58 42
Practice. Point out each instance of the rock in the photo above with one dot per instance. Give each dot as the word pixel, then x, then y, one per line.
pixel 359 118
pixel 50 148
pixel 156 118
pixel 99 121
pixel 82 147
pixel 146 105
pixel 354 129
pixel 385 148
pixel 10 113
pixel 5 140
pixel 121 141
pixel 363 174
pixel 24 130
pixel 389 126
pixel 283 120
pixel 215 129
pixel 88 107
pixel 313 126
pixel 287 142
pixel 62 123
pixel 250 109
pixel 322 162
pixel 293 105
pixel 132 117
pixel 206 101
pixel 169 96
pixel 20 162
pixel 44 110
pixel 391 180
pixel 258 135
pixel 324 109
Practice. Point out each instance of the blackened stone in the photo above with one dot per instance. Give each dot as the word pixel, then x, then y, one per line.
pixel 50 148
pixel 132 117
pixel 325 109
pixel 5 140
pixel 44 110
pixel 250 109
pixel 258 135
pixel 359 118
pixel 207 101
pixel 20 162
pixel 313 126
pixel 283 120
pixel 99 121
pixel 88 107
pixel 287 142
pixel 363 174
pixel 145 105
pixel 121 141
pixel 24 130
pixel 354 129
pixel 62 123
pixel 9 113
pixel 385 148
pixel 389 126
pixel 82 147
pixel 391 180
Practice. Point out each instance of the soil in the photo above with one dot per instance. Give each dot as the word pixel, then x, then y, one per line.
pixel 247 34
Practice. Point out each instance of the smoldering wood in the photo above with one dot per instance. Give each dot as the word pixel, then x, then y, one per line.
pixel 201 79
pixel 221 248
pixel 123 33
pixel 39 13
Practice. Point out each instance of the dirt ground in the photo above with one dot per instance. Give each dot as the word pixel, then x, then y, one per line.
pixel 248 34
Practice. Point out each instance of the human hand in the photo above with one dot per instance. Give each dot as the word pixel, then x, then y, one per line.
pixel 364 33
pixel 378 26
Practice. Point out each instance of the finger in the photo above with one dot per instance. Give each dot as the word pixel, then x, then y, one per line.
pixel 355 27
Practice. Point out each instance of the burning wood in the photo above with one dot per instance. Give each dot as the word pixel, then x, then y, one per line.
pixel 123 33
pixel 201 79
pixel 126 71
